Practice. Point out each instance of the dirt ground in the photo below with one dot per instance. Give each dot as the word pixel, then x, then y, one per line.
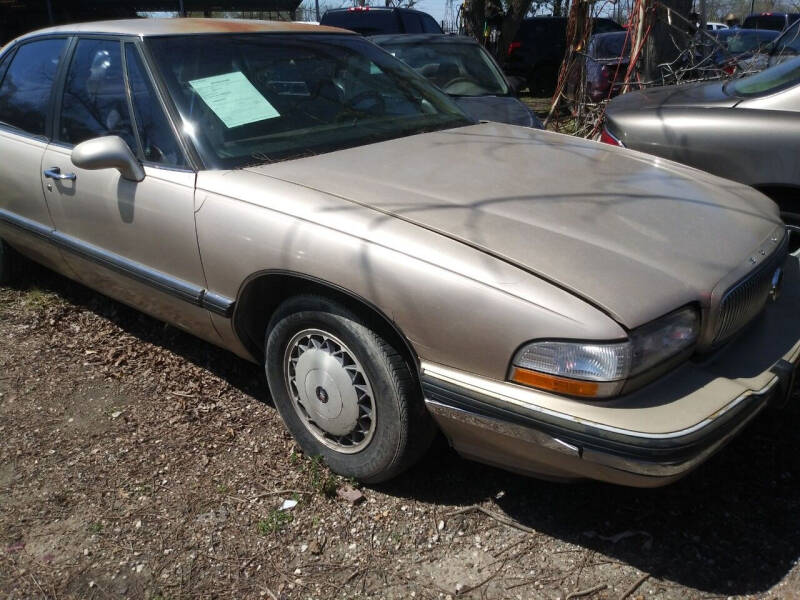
pixel 137 461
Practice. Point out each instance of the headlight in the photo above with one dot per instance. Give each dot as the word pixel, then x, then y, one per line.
pixel 600 370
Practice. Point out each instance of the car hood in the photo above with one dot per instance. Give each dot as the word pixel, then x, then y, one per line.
pixel 698 95
pixel 497 108
pixel 635 235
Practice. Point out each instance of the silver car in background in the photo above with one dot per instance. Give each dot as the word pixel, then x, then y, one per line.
pixel 747 129
pixel 554 306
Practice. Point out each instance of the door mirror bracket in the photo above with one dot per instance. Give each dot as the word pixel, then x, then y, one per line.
pixel 108 152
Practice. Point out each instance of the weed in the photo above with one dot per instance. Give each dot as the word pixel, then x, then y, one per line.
pixel 95 527
pixel 320 478
pixel 275 521
pixel 37 299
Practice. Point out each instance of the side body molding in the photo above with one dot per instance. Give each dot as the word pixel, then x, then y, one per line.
pixel 183 290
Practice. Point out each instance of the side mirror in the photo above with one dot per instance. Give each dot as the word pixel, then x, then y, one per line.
pixel 109 152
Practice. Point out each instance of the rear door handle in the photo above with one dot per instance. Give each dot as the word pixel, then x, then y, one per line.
pixel 55 173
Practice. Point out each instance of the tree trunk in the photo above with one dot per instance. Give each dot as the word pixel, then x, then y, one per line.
pixel 475 18
pixel 665 41
pixel 475 12
pixel 517 9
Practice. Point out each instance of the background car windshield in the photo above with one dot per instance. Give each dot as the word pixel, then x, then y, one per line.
pixel 737 41
pixel 266 97
pixel 771 80
pixel 365 22
pixel 612 45
pixel 458 69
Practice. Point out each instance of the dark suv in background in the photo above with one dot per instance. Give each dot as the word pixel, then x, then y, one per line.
pixel 770 20
pixel 374 20
pixel 539 47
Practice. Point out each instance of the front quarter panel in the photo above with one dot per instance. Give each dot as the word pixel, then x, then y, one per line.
pixel 455 305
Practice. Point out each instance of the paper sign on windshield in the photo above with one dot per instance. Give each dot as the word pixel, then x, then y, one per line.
pixel 234 99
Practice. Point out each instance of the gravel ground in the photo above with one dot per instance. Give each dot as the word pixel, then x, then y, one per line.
pixel 137 461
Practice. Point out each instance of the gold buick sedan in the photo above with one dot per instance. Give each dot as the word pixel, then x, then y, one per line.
pixel 292 193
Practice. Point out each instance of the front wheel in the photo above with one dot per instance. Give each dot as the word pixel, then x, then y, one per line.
pixel 344 391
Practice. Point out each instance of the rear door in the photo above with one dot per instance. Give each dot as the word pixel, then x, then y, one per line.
pixel 27 75
pixel 134 241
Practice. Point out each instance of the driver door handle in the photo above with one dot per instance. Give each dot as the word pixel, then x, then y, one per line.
pixel 55 173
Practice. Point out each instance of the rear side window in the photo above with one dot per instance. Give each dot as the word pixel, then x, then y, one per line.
pixel 28 82
pixel 158 142
pixel 773 22
pixel 429 25
pixel 411 22
pixel 605 26
pixel 365 22
pixel 95 103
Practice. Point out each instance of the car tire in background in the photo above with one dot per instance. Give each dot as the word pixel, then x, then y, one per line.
pixel 9 263
pixel 344 391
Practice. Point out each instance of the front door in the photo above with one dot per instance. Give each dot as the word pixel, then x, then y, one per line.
pixel 134 241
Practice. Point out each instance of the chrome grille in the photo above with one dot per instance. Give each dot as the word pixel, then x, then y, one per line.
pixel 742 302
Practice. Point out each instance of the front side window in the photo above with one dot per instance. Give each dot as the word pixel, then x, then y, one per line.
pixel 158 142
pixel 95 103
pixel 262 98
pixel 27 84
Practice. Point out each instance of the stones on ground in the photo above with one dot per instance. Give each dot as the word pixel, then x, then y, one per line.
pixel 350 494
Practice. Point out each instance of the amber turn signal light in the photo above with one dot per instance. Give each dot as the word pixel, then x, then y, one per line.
pixel 551 383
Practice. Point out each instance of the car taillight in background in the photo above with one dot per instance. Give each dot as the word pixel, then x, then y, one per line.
pixel 358 8
pixel 514 46
pixel 607 138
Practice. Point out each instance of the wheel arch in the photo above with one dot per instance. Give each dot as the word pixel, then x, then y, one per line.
pixel 262 293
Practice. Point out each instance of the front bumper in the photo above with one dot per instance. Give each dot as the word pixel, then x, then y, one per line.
pixel 649 438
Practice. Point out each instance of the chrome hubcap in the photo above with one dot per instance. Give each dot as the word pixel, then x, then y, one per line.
pixel 330 391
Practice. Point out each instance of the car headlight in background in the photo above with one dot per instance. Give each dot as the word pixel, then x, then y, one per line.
pixel 601 369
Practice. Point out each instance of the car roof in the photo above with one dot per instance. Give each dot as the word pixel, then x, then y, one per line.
pixel 184 26
pixel 416 38
pixel 369 9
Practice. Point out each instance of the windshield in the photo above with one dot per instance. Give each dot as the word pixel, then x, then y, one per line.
pixel 774 79
pixel 739 41
pixel 789 43
pixel 459 69
pixel 260 98
pixel 612 45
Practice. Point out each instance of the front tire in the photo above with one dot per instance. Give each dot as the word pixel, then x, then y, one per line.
pixel 344 391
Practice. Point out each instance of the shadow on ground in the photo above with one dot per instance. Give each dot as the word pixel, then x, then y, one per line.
pixel 730 528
